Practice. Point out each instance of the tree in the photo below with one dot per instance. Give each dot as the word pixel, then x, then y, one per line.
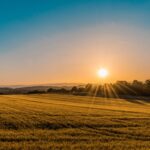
pixel 74 89
pixel 88 87
pixel 147 82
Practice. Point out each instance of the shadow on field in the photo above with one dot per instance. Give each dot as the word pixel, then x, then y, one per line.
pixel 137 100
pixel 141 102
pixel 71 125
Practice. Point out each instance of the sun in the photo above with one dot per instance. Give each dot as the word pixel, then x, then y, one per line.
pixel 102 72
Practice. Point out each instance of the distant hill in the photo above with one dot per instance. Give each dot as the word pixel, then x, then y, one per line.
pixel 43 85
pixel 18 89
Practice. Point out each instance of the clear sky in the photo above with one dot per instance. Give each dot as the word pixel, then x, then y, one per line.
pixel 53 41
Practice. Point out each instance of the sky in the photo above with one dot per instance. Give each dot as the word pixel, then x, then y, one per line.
pixel 67 41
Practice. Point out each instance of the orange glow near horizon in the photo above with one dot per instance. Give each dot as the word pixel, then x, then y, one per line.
pixel 75 56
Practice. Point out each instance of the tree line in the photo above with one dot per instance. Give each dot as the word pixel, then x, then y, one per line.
pixel 118 89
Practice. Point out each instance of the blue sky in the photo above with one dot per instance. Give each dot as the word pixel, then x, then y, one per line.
pixel 25 26
pixel 22 17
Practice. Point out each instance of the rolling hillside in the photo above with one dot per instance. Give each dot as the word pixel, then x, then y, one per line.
pixel 50 121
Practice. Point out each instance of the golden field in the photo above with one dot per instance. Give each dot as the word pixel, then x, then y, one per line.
pixel 55 121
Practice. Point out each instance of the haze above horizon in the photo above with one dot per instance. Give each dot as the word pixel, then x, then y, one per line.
pixel 67 41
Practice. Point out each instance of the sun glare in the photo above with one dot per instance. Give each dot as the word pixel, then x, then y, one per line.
pixel 102 72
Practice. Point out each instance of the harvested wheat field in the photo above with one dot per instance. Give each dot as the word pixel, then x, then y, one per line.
pixel 51 121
